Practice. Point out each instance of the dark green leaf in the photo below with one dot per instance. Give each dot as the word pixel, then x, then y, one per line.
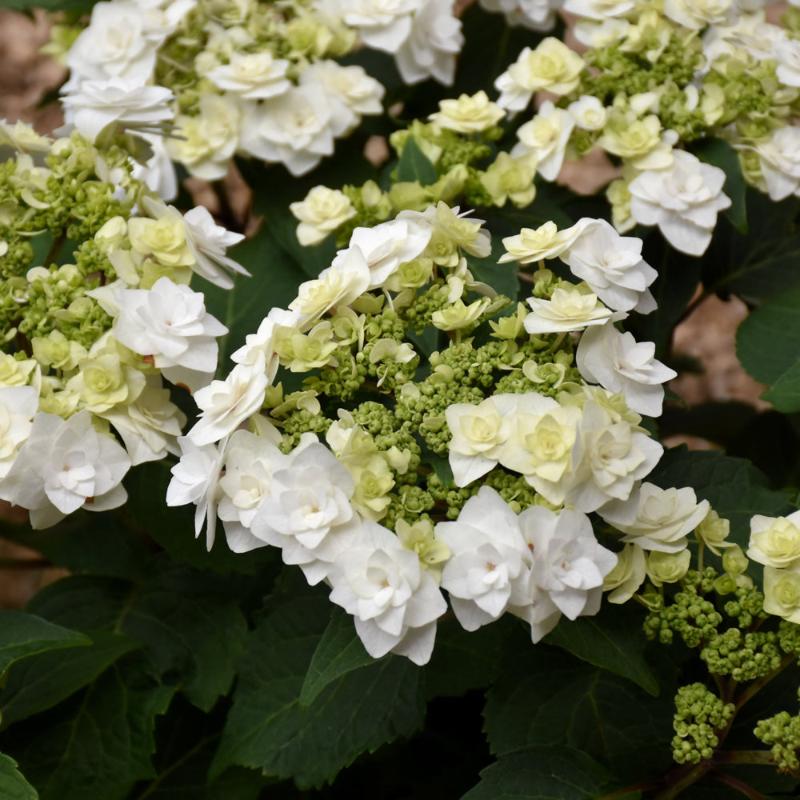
pixel 612 640
pixel 190 629
pixel 768 341
pixel 719 153
pixel 13 785
pixel 733 486
pixel 541 773
pixel 464 660
pixel 39 683
pixel 85 542
pixel 762 263
pixel 23 635
pixel 544 697
pixel 267 729
pixel 196 633
pixel 100 743
pixel 414 165
pixel 339 651
pixel 784 394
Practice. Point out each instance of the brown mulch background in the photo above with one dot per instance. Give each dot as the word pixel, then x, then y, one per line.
pixel 26 77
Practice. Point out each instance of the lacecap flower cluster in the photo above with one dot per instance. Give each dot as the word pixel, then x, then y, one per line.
pixel 95 314
pixel 440 436
pixel 653 79
pixel 258 79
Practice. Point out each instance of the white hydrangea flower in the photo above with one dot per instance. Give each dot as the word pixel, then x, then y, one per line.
pixel 787 54
pixel 456 228
pixel 775 541
pixel 614 455
pixel 568 309
pixel 597 35
pixel 117 43
pixel 779 157
pixel 388 245
pixel 97 104
pixel 432 45
pixel 538 15
pixel 251 462
pixel 294 129
pixel 195 479
pixel 468 113
pixel 18 404
pixel 540 244
pixel 612 266
pixel 337 286
pixel 205 142
pixel 552 67
pixel 227 404
pixel 259 346
pixel 657 519
pixel 600 10
pixel 683 201
pixel 569 565
pixel 350 91
pixel 150 426
pixel 209 243
pixel 749 32
pixel 589 113
pixel 394 601
pixel 321 212
pixel 306 510
pixel 627 576
pixel 542 440
pixel 170 323
pixel 545 137
pixel 479 435
pixel 698 14
pixel 624 366
pixel 488 568
pixel 252 76
pixel 382 24
pixel 782 592
pixel 65 465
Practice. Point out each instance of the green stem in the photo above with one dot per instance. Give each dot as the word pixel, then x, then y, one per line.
pixel 684 780
pixel 625 791
pixel 756 687
pixel 754 757
pixel 740 786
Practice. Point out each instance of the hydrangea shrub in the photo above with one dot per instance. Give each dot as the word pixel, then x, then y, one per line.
pixel 386 495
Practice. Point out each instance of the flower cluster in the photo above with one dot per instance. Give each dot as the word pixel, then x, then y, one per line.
pixel 443 437
pixel 457 144
pixel 222 77
pixel 653 80
pixel 89 336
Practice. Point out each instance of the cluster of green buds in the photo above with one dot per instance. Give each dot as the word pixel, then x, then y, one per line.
pixel 722 614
